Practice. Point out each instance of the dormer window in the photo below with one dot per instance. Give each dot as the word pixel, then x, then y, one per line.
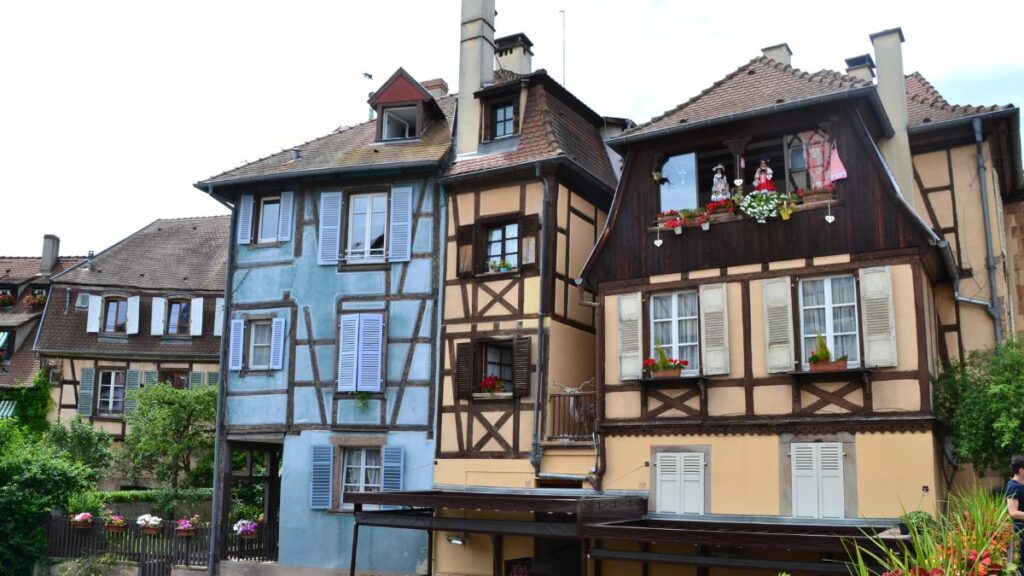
pixel 399 123
pixel 502 119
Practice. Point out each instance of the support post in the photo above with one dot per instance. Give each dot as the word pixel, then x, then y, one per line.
pixel 497 542
pixel 430 552
pixel 357 508
pixel 644 566
pixel 583 556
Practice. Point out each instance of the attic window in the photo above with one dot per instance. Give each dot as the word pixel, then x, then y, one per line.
pixel 399 123
pixel 501 118
pixel 82 301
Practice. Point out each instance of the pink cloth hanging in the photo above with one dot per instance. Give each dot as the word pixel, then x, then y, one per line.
pixel 816 156
pixel 836 169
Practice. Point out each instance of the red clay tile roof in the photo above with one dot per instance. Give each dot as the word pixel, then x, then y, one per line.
pixel 552 128
pixel 760 83
pixel 174 254
pixel 352 147
pixel 926 106
pixel 22 366
pixel 19 270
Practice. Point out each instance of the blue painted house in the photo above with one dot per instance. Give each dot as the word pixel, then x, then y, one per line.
pixel 330 367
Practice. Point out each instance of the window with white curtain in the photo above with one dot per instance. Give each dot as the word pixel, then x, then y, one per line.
pixel 362 471
pixel 259 345
pixel 367 223
pixel 111 400
pixel 675 328
pixel 828 306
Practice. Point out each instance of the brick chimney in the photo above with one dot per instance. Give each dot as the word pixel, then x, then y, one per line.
pixel 892 90
pixel 51 249
pixel 862 67
pixel 437 87
pixel 779 53
pixel 514 53
pixel 476 70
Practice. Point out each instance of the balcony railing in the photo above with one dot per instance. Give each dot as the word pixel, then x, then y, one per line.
pixel 572 415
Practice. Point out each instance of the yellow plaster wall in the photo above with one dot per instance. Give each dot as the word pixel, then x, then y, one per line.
pixel 834 259
pixel 572 359
pixel 771 400
pixel 891 469
pixel 499 201
pixel 496 472
pixel 759 365
pixel 476 556
pixel 568 461
pixel 621 404
pixel 531 295
pixel 736 344
pixel 905 315
pixel 582 234
pixel 611 339
pixel 728 401
pixel 534 197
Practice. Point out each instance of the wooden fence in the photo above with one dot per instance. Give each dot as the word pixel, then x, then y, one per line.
pixel 155 553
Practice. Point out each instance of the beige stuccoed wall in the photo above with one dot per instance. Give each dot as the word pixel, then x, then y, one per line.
pixel 571 358
pixel 503 472
pixel 891 470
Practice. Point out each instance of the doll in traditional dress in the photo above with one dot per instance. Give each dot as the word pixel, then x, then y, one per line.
pixel 720 185
pixel 763 178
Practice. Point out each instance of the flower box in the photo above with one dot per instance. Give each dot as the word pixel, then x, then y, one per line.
pixel 117 528
pixel 817 197
pixel 249 535
pixel 77 525
pixel 185 532
pixel 151 530
pixel 666 373
pixel 830 366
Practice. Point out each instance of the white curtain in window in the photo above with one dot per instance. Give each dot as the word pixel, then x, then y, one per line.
pixel 372 482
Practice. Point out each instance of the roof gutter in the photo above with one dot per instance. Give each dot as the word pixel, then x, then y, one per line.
pixel 869 91
pixel 530 164
pixel 207 185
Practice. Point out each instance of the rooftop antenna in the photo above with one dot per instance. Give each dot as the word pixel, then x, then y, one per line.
pixel 369 77
pixel 562 12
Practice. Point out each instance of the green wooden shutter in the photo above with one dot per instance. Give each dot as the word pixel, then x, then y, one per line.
pixel 149 377
pixel 195 379
pixel 131 389
pixel 213 378
pixel 85 392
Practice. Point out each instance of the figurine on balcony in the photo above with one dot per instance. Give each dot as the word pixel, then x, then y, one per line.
pixel 763 178
pixel 720 185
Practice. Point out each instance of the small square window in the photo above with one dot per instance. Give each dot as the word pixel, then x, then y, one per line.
pixel 502 246
pixel 399 123
pixel 362 470
pixel 178 316
pixel 675 328
pixel 797 161
pixel 367 227
pixel 503 119
pixel 111 398
pixel 115 318
pixel 82 301
pixel 270 211
pixel 259 345
pixel 498 363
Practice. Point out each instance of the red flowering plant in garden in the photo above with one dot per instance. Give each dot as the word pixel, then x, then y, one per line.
pixel 491 384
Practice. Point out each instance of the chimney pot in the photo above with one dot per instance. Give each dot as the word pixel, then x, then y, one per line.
pixel 51 249
pixel 514 53
pixel 437 87
pixel 88 261
pixel 892 91
pixel 779 53
pixel 862 67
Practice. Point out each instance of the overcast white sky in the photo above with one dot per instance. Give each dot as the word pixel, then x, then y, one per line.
pixel 111 110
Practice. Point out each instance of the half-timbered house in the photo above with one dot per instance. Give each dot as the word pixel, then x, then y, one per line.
pixel 334 272
pixel 146 310
pixel 894 258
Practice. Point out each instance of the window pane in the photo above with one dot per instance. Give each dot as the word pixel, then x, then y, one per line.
pixel 261 333
pixel 846 346
pixel 814 321
pixel 843 291
pixel 261 356
pixel 122 314
pixel 268 220
pixel 689 353
pixel 357 235
pixel 377 231
pixel 512 231
pixel 844 319
pixel 512 260
pixel 360 204
pixel 809 345
pixel 172 318
pixel 813 292
pixel 688 331
pixel 380 203
pixel 494 249
pixel 796 159
pixel 679 182
pixel 663 334
pixel 661 307
pixel 111 316
pixel 687 304
pixel 494 234
pixel 511 246
pixel 493 354
pixel 4 337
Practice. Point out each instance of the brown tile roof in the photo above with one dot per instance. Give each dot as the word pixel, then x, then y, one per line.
pixel 63 332
pixel 22 366
pixel 19 270
pixel 760 83
pixel 174 254
pixel 552 127
pixel 352 147
pixel 925 105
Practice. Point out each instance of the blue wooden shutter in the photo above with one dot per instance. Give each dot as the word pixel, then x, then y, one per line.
pixel 330 228
pixel 284 219
pixel 195 379
pixel 393 468
pixel 213 378
pixel 348 352
pixel 321 477
pixel 85 390
pixel 371 353
pixel 245 206
pixel 235 350
pixel 131 391
pixel 277 343
pixel 400 245
pixel 149 377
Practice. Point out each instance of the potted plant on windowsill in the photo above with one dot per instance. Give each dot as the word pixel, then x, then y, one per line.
pixel 6 299
pixel 821 359
pixel 500 266
pixel 34 301
pixel 492 385
pixel 663 366
pixel 81 521
pixel 150 524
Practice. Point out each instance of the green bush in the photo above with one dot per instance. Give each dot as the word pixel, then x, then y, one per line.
pixel 82 443
pixel 190 496
pixel 89 501
pixel 34 403
pixel 89 566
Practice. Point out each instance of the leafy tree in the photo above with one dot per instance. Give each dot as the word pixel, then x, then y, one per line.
pixel 82 443
pixel 35 478
pixel 982 402
pixel 170 432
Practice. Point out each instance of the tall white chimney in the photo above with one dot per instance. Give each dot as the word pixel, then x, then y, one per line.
pixel 51 249
pixel 779 53
pixel 476 70
pixel 892 90
pixel 514 53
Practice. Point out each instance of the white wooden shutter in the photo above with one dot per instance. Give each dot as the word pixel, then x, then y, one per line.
pixel 348 352
pixel 218 318
pixel 778 324
pixel 668 497
pixel 371 353
pixel 131 391
pixel 631 362
pixel 830 480
pixel 285 222
pixel 92 324
pixel 692 482
pixel 235 346
pixel 159 317
pixel 805 480
pixel 195 325
pixel 879 322
pixel 277 343
pixel 321 477
pixel 86 385
pixel 330 228
pixel 132 326
pixel 393 468
pixel 400 241
pixel 245 209
pixel 714 329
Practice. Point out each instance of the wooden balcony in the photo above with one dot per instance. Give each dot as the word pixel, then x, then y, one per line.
pixel 572 416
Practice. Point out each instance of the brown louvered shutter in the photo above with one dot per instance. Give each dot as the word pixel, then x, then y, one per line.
pixel 529 230
pixel 464 244
pixel 464 370
pixel 521 367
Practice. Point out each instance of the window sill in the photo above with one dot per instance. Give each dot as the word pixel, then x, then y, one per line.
pixel 112 337
pixel 108 418
pixel 498 274
pixel 363 265
pixel 256 372
pixel 258 245
pixel 490 396
pixel 175 338
pixel 724 217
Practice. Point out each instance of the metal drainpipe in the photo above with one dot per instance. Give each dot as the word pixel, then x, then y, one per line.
pixel 994 309
pixel 214 561
pixel 536 452
pixel 442 239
